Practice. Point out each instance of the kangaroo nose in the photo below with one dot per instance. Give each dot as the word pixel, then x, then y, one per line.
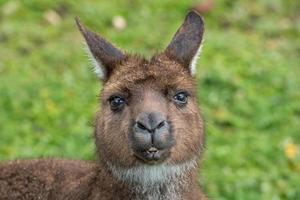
pixel 150 122
pixel 151 138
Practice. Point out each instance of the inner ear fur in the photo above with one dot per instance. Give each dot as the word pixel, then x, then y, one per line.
pixel 185 46
pixel 103 54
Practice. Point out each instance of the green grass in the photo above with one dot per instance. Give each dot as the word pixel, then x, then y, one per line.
pixel 248 77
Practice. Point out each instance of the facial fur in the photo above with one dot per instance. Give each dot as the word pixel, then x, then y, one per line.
pixel 149 113
pixel 135 79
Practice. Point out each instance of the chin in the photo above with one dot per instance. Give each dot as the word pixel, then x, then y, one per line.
pixel 147 173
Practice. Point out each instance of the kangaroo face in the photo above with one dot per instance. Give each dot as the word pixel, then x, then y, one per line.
pixel 149 112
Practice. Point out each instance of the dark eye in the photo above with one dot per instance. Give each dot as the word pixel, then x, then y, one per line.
pixel 116 102
pixel 181 98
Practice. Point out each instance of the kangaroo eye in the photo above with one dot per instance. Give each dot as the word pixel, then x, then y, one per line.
pixel 116 102
pixel 180 98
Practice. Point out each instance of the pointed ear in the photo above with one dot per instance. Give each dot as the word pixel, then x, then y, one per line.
pixel 186 44
pixel 103 54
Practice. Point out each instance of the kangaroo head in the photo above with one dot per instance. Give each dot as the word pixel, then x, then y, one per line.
pixel 149 113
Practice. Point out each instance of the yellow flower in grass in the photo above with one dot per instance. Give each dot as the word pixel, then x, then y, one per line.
pixel 51 107
pixel 290 150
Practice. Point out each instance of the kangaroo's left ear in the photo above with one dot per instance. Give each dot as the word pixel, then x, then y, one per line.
pixel 186 44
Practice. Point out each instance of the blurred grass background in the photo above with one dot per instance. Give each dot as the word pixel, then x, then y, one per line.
pixel 248 76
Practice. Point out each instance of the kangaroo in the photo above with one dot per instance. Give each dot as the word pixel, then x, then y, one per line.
pixel 149 133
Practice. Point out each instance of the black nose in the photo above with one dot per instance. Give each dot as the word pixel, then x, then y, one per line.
pixel 150 122
pixel 151 135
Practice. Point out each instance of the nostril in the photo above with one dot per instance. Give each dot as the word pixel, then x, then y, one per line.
pixel 161 124
pixel 141 126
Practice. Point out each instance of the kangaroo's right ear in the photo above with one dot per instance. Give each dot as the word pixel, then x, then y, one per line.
pixel 103 54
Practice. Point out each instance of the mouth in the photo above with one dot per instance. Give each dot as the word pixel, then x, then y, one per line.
pixel 152 155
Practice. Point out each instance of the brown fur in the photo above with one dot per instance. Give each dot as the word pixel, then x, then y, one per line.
pixel 147 85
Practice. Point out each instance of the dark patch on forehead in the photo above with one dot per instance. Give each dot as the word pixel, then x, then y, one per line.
pixel 158 72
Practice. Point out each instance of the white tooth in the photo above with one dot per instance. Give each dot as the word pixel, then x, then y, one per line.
pixel 152 149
